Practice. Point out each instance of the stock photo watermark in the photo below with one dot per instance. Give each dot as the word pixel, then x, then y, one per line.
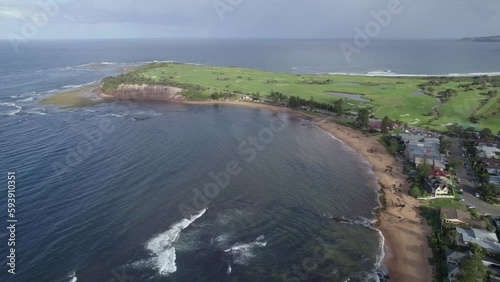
pixel 47 10
pixel 372 29
pixel 11 222
pixel 225 6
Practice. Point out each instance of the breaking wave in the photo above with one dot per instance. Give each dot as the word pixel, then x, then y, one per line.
pixel 162 247
pixel 9 109
pixel 244 252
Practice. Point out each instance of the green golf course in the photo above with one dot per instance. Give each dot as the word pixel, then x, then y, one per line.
pixel 432 102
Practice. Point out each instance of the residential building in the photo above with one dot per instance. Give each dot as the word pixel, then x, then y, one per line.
pixel 420 148
pixel 453 271
pixel 489 151
pixel 455 257
pixel 438 187
pixel 487 240
pixel 456 216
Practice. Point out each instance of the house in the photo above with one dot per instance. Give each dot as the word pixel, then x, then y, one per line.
pixel 495 180
pixel 491 163
pixel 493 267
pixel 376 124
pixel 456 258
pixel 419 148
pixel 487 240
pixel 493 171
pixel 453 271
pixel 440 173
pixel 437 187
pixel 435 163
pixel 489 151
pixel 455 216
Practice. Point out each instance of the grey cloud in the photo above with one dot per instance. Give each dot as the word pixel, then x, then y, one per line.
pixel 266 18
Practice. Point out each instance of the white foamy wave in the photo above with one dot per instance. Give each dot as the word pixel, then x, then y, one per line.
pixel 390 73
pixel 229 269
pixel 26 100
pixel 36 113
pixel 243 252
pixel 75 86
pixel 9 109
pixel 92 64
pixel 72 277
pixel 113 115
pixel 162 245
pixel 221 238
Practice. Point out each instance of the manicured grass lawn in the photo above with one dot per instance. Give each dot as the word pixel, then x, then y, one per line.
pixel 445 203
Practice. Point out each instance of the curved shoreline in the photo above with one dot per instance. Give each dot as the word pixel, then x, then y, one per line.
pixel 404 230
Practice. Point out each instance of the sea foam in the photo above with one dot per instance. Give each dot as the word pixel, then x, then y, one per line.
pixel 243 252
pixel 162 247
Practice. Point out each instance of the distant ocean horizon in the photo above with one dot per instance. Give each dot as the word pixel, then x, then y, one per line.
pixel 115 208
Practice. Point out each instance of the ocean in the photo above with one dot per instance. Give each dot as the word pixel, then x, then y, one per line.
pixel 140 191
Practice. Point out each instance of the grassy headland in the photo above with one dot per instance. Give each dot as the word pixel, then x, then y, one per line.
pixel 468 101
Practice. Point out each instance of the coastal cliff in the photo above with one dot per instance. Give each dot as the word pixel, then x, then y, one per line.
pixel 144 92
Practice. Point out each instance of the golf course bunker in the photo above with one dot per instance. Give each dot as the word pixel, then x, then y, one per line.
pixel 355 97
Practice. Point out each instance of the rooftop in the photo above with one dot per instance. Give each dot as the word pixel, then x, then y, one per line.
pixel 455 214
pixel 483 238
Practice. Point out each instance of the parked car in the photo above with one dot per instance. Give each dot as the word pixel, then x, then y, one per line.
pixel 477 195
pixel 471 207
pixel 462 200
pixel 458 181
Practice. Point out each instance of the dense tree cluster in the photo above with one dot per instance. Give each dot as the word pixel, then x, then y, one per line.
pixel 447 94
pixel 363 118
pixel 317 82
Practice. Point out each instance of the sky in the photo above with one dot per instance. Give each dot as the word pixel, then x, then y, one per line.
pixel 82 19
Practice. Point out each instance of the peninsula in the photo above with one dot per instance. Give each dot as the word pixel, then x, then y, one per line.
pixel 482 39
pixel 433 103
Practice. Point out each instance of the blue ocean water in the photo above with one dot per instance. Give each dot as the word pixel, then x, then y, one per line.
pixel 112 192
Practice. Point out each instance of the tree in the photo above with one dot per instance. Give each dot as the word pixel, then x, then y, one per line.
pixel 477 250
pixel 339 107
pixel 444 145
pixel 386 126
pixel 472 269
pixel 423 170
pixel 492 93
pixel 486 133
pixel 489 191
pixel 455 163
pixel 474 119
pixel 415 191
pixel 311 103
pixel 363 118
pixel 468 132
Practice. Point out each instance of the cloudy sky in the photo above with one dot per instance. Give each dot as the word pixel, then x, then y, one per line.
pixel 244 18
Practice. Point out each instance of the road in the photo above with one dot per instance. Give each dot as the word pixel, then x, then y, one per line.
pixel 468 186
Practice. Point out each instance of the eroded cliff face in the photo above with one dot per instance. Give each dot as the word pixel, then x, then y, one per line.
pixel 145 92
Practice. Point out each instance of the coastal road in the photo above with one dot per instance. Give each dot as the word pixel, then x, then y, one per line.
pixel 468 185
